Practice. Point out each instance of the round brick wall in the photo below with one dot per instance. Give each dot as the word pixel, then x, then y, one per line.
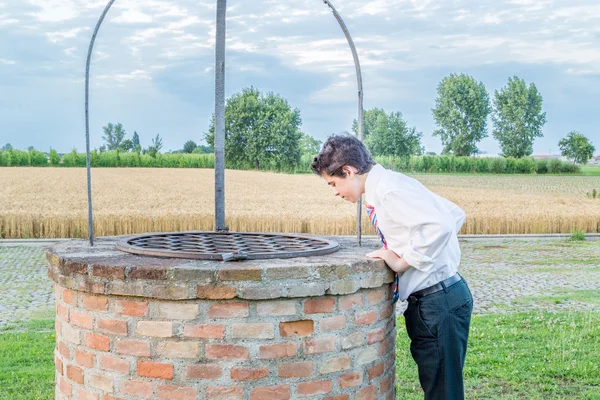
pixel 131 327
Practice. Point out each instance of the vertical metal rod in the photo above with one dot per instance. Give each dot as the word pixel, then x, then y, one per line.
pixel 360 108
pixel 87 121
pixel 220 117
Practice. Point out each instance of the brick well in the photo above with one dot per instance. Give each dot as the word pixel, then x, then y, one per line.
pixel 132 327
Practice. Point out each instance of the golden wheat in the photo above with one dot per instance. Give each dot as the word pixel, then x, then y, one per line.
pixel 52 202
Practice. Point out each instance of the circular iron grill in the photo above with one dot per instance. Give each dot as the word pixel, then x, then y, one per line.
pixel 226 246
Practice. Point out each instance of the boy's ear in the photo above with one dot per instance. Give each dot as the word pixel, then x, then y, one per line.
pixel 349 170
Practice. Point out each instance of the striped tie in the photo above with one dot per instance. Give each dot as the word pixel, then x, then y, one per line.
pixel 373 217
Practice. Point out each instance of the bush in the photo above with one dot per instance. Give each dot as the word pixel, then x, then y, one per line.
pixel 498 165
pixel 37 159
pixel 577 236
pixel 541 166
pixel 526 165
pixel 554 166
pixel 54 158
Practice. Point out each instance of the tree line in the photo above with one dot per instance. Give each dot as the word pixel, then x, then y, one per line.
pixel 263 131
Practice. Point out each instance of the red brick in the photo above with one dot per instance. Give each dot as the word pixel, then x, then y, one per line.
pixel 351 301
pixel 71 334
pixel 108 271
pixel 385 384
pixel 95 303
pixel 366 317
pixel 319 345
pixel 368 393
pixel 177 310
pixel 385 311
pixel 375 336
pixel 97 342
pixel 276 308
pixel 178 349
pixel 161 329
pixel 102 382
pixel 209 331
pixel 65 387
pixel 350 380
pixel 224 393
pixel 64 350
pixel 252 331
pixel 340 397
pixel 71 267
pixel 137 389
pixel 319 306
pixel 229 310
pixel 298 328
pixel 314 388
pixel 132 308
pixel 376 296
pixel 85 395
pixel 226 351
pixel 279 392
pixel 176 393
pixel 146 272
pixel 109 397
pixel 248 374
pixel 70 297
pixel 84 359
pixel 278 350
pixel 151 369
pixel 333 323
pixel 62 312
pixel 385 346
pixel 81 319
pixel 112 326
pixel 296 370
pixel 335 365
pixel 205 371
pixel 133 347
pixel 375 371
pixel 215 292
pixel 75 374
pixel 57 327
pixel 58 364
pixel 116 364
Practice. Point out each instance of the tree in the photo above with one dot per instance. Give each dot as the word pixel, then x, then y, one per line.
pixel 309 145
pixel 135 140
pixel 156 146
pixel 518 117
pixel 189 146
pixel 203 150
pixel 260 129
pixel 388 134
pixel 576 147
pixel 461 111
pixel 113 135
pixel 54 157
pixel 126 145
pixel 7 147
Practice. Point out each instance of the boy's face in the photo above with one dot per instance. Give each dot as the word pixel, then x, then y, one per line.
pixel 349 188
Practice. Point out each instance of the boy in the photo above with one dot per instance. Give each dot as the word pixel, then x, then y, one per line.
pixel 418 230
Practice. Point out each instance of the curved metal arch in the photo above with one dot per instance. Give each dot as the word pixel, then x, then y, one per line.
pixel 219 114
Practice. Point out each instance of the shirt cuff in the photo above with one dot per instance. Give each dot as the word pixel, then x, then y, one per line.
pixel 418 260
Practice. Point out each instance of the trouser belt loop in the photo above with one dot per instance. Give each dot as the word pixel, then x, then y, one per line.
pixel 446 290
pixel 412 300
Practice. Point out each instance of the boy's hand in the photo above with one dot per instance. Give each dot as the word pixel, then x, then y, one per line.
pixel 396 263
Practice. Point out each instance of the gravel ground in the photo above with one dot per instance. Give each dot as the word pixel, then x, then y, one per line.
pixel 504 276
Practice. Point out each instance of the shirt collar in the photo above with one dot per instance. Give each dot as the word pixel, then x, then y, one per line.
pixel 371 183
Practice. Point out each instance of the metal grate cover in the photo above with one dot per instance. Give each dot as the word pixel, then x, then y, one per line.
pixel 226 246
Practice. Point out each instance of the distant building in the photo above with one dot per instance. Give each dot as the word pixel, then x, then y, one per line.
pixel 549 156
pixel 595 160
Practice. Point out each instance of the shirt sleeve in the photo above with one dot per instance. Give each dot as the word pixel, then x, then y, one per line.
pixel 429 223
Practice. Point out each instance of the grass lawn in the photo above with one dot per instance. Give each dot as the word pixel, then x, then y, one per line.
pixel 535 355
pixel 591 170
pixel 26 361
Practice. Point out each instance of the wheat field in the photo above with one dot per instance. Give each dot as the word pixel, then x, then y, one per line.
pixel 52 202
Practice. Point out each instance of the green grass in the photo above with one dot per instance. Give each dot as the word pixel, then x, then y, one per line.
pixel 534 355
pixel 26 361
pixel 590 170
pixel 560 296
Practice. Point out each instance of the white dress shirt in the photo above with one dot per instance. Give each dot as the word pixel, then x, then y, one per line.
pixel 418 225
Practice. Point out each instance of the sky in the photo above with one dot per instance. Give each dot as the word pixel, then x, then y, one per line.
pixel 153 63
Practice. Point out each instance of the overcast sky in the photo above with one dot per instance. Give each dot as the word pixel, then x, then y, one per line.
pixel 152 68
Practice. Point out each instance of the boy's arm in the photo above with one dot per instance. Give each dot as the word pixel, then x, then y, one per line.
pixel 430 227
pixel 395 262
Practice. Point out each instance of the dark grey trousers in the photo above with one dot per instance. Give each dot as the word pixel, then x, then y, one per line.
pixel 438 327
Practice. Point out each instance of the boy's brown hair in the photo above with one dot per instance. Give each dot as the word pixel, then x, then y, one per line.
pixel 339 151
